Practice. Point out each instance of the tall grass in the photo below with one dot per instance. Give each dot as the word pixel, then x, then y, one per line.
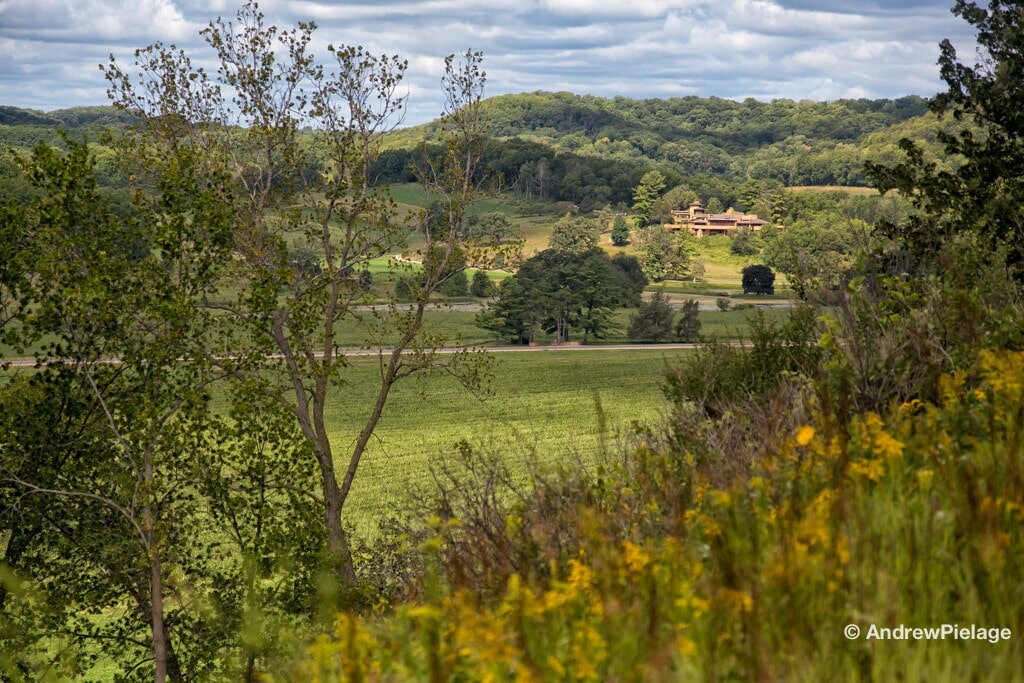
pixel 662 565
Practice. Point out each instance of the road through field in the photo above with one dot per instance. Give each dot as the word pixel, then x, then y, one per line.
pixel 706 302
pixel 31 362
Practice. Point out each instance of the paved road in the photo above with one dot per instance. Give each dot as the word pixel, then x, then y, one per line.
pixel 30 362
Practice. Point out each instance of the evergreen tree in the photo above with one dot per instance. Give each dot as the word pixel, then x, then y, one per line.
pixel 688 323
pixel 515 316
pixel 652 321
pixel 620 232
pixel 457 284
pixel 645 194
pixel 481 285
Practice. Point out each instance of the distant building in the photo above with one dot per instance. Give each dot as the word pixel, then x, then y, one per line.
pixel 703 224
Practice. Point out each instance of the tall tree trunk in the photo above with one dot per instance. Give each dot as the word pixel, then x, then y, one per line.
pixel 337 539
pixel 156 593
pixel 156 579
pixel 141 592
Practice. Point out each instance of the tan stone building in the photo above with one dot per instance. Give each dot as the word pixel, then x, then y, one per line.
pixel 703 224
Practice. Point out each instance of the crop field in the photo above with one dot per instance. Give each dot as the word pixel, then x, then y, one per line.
pixel 542 401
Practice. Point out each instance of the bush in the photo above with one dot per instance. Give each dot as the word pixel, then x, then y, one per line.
pixel 719 374
pixel 758 280
pixel 723 303
pixel 481 286
pixel 743 243
pixel 652 321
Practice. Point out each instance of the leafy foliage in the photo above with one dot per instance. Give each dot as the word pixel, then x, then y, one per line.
pixel 743 243
pixel 985 193
pixel 758 279
pixel 653 558
pixel 647 191
pixel 665 254
pixel 573 233
pixel 559 290
pixel 481 285
pixel 653 320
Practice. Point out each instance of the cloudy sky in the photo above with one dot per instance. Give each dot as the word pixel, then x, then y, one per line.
pixel 50 49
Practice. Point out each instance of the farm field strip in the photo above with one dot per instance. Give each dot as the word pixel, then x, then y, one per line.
pixel 543 403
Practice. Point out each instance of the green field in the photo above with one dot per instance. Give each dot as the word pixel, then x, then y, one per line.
pixel 459 326
pixel 848 189
pixel 412 195
pixel 542 400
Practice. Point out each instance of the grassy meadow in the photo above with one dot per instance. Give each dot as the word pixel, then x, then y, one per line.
pixel 542 401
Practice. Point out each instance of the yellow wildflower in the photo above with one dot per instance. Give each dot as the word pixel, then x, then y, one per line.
pixel 634 557
pixel 424 612
pixel 738 601
pixel 686 646
pixel 804 435
pixel 872 468
pixel 699 605
pixel 580 576
pixel 721 498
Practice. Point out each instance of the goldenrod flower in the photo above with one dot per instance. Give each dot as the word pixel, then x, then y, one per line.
pixel 804 435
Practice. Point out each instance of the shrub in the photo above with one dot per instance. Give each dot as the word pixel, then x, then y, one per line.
pixel 719 374
pixel 698 574
pixel 723 303
pixel 742 243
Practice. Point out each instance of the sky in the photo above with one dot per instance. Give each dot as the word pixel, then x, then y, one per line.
pixel 767 49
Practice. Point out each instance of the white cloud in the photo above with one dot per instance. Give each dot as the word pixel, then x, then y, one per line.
pixel 641 48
